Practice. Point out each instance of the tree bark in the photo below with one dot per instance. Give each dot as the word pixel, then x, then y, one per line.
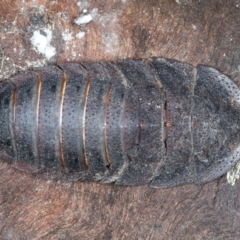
pixel 196 32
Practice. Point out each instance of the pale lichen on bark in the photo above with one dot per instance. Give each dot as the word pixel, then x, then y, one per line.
pixel 234 174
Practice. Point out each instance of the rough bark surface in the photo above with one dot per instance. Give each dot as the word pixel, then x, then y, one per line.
pixel 197 32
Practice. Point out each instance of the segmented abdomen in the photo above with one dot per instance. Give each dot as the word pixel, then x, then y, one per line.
pixel 129 122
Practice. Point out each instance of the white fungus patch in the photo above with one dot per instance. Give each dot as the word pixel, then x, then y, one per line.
pixel 94 14
pixel 80 35
pixel 38 63
pixel 41 8
pixel 67 35
pixel 83 19
pixel 83 4
pixel 233 174
pixel 41 42
pixel 108 24
pixel 110 39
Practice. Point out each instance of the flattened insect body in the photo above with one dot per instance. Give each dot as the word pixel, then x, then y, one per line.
pixel 158 122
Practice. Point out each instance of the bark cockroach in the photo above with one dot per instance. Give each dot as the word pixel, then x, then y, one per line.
pixel 158 122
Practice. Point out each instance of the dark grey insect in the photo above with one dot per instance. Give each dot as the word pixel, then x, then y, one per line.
pixel 158 122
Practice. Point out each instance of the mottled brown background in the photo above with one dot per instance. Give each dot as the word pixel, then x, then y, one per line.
pixel 196 32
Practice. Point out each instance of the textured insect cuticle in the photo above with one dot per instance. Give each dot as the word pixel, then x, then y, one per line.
pixel 159 122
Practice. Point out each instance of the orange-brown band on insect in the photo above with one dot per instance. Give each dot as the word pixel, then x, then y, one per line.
pixel 105 126
pixel 39 88
pixel 64 83
pixel 84 120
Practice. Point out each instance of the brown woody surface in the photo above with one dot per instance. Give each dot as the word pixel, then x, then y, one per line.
pixel 196 32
